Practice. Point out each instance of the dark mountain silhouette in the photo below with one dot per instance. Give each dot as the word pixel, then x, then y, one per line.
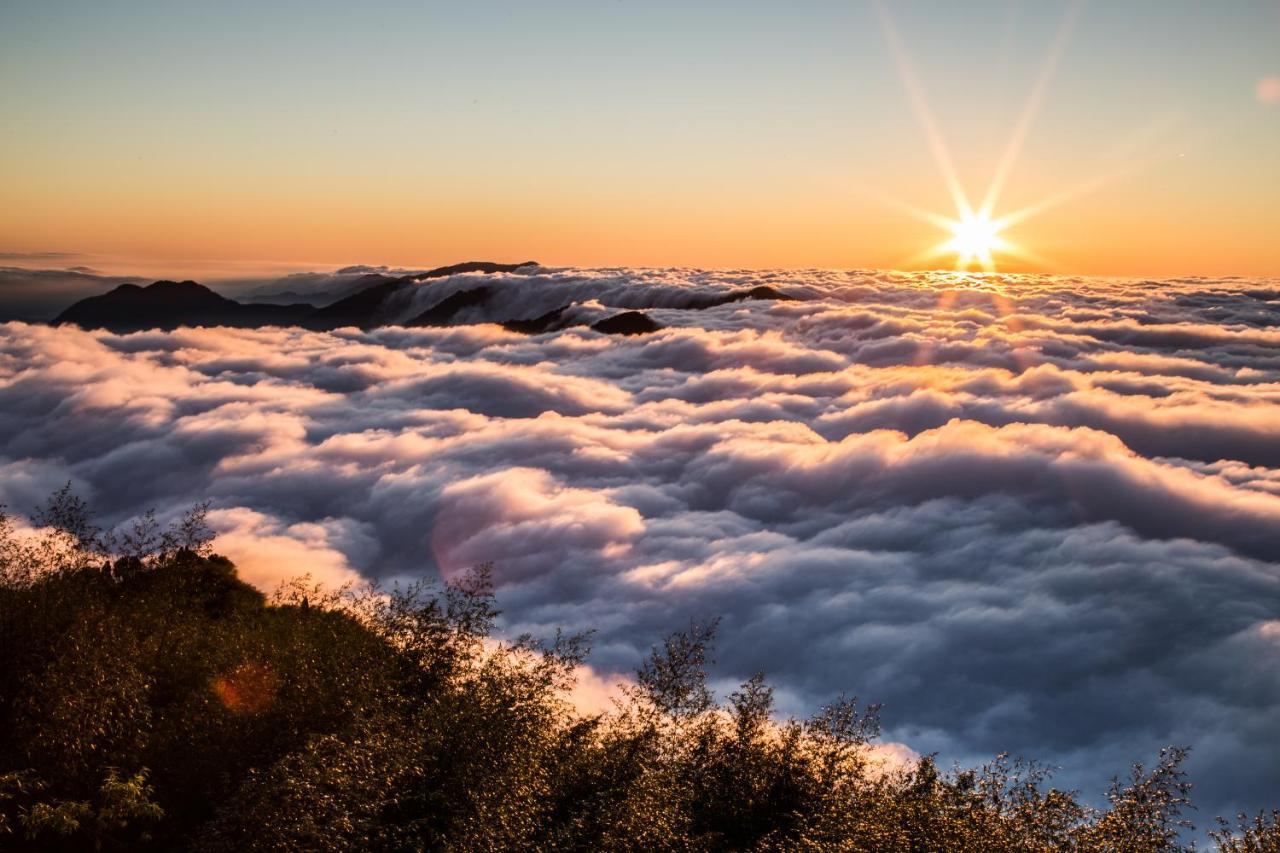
pixel 627 323
pixel 373 300
pixel 763 292
pixel 634 322
pixel 365 308
pixel 314 296
pixel 487 267
pixel 443 313
pixel 349 288
pixel 36 296
pixel 547 322
pixel 169 304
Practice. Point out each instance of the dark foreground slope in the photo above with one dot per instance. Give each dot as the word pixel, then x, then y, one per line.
pixel 150 700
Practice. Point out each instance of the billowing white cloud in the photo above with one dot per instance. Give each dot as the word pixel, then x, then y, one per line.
pixel 268 553
pixel 1026 513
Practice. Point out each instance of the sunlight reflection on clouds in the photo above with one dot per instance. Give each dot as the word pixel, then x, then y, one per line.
pixel 1027 513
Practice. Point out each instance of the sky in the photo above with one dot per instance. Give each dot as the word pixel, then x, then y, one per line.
pixel 194 136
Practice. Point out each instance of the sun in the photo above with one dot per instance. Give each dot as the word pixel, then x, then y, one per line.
pixel 975 237
pixel 976 240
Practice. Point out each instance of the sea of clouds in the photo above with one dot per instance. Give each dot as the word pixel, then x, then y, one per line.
pixel 1028 514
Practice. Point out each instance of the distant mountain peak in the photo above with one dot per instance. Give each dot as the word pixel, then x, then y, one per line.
pixel 627 323
pixel 372 299
pixel 487 267
pixel 168 304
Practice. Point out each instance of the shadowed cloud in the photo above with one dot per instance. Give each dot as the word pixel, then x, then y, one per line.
pixel 1028 513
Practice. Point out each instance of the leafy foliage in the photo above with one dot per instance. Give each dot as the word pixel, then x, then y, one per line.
pixel 154 701
pixel 1257 834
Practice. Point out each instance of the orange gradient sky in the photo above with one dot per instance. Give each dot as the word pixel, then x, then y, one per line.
pixel 157 136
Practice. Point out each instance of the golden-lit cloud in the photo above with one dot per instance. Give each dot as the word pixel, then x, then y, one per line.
pixel 863 480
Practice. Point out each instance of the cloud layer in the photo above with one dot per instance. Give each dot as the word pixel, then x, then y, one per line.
pixel 39 294
pixel 1027 513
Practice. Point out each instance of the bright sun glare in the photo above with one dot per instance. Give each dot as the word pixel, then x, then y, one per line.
pixel 975 236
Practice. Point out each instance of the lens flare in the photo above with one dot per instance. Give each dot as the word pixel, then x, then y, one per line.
pixel 975 237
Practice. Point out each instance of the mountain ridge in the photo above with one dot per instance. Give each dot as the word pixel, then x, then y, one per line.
pixel 382 300
pixel 167 304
